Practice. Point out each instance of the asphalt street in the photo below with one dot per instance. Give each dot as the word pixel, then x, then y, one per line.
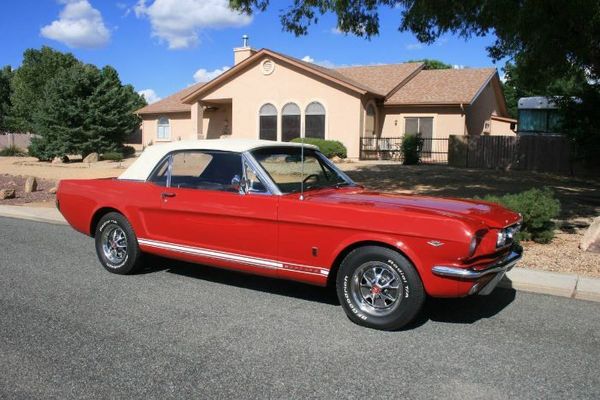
pixel 69 329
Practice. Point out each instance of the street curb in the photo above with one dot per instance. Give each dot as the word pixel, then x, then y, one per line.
pixel 523 279
pixel 38 214
pixel 553 283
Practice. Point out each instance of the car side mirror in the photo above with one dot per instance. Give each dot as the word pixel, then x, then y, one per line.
pixel 239 184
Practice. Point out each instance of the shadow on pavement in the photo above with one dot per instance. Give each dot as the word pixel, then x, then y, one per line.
pixel 247 281
pixel 465 310
pixel 468 310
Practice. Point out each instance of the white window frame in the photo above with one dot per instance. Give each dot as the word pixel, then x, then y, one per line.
pixel 165 128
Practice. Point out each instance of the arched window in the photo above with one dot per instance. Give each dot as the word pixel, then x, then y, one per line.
pixel 163 128
pixel 290 122
pixel 315 120
pixel 370 121
pixel 267 129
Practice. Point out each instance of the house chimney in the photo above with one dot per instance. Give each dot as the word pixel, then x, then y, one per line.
pixel 241 53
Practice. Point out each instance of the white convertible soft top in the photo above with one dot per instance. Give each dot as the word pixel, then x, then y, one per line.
pixel 143 166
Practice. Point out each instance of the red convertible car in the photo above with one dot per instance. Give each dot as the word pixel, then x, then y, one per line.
pixel 284 210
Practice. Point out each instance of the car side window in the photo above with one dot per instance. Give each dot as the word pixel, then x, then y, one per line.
pixel 159 176
pixel 253 183
pixel 205 170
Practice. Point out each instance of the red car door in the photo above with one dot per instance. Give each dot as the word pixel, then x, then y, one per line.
pixel 204 218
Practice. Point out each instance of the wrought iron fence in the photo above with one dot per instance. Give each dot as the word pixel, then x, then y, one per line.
pixel 432 150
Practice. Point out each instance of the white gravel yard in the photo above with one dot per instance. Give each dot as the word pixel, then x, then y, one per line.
pixel 579 197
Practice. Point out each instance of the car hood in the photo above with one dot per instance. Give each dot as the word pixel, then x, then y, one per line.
pixel 490 214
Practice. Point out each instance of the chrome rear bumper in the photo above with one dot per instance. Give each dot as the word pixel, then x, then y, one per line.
pixel 499 268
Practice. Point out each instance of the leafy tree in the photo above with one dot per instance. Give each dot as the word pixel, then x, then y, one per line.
pixel 6 75
pixel 38 68
pixel 551 37
pixel 518 85
pixel 433 64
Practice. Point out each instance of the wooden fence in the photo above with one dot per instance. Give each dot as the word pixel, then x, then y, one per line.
pixel 533 153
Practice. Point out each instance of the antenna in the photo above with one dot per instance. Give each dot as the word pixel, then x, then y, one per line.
pixel 302 169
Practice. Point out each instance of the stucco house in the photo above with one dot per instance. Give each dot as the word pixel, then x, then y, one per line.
pixel 269 95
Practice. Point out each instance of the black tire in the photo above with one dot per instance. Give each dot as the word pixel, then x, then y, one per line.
pixel 372 309
pixel 125 260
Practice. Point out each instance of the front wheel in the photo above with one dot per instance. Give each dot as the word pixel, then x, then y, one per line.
pixel 379 288
pixel 116 244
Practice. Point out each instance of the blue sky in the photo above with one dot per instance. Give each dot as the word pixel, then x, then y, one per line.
pixel 166 45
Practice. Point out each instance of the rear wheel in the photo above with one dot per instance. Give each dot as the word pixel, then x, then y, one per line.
pixel 379 288
pixel 116 244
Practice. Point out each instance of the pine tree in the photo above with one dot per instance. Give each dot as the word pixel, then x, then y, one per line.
pixel 110 118
pixel 84 110
pixel 60 118
pixel 37 69
pixel 6 75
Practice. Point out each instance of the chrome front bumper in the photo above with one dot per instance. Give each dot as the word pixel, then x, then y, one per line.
pixel 499 268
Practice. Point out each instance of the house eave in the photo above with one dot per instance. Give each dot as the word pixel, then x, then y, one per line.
pixel 192 97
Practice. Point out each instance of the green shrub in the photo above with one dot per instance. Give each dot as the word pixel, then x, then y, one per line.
pixel 12 151
pixel 38 149
pixel 538 207
pixel 113 156
pixel 128 151
pixel 329 148
pixel 411 149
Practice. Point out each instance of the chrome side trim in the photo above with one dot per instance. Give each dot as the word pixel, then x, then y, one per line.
pixel 466 273
pixel 238 258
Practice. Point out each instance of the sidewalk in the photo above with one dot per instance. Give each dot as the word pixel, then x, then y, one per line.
pixel 40 214
pixel 527 280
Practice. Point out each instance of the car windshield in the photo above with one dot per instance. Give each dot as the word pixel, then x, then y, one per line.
pixel 284 166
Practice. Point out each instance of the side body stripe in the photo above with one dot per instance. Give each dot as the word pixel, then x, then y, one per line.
pixel 238 258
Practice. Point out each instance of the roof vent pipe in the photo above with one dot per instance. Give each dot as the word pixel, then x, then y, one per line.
pixel 241 53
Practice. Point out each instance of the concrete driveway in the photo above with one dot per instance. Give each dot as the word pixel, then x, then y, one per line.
pixel 69 329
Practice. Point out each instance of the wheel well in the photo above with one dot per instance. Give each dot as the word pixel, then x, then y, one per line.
pixel 99 214
pixel 338 260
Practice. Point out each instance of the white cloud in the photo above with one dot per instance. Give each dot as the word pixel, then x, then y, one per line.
pixel 178 22
pixel 414 46
pixel 458 66
pixel 336 31
pixel 79 25
pixel 322 63
pixel 203 75
pixel 150 95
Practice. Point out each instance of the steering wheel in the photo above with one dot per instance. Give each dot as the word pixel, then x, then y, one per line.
pixel 311 176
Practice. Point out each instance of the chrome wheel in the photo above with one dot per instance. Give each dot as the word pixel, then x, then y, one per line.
pixel 376 288
pixel 114 245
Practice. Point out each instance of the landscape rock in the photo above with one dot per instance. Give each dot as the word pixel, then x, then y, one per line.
pixel 91 158
pixel 31 184
pixel 52 190
pixel 337 159
pixel 591 239
pixel 7 194
pixel 60 160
